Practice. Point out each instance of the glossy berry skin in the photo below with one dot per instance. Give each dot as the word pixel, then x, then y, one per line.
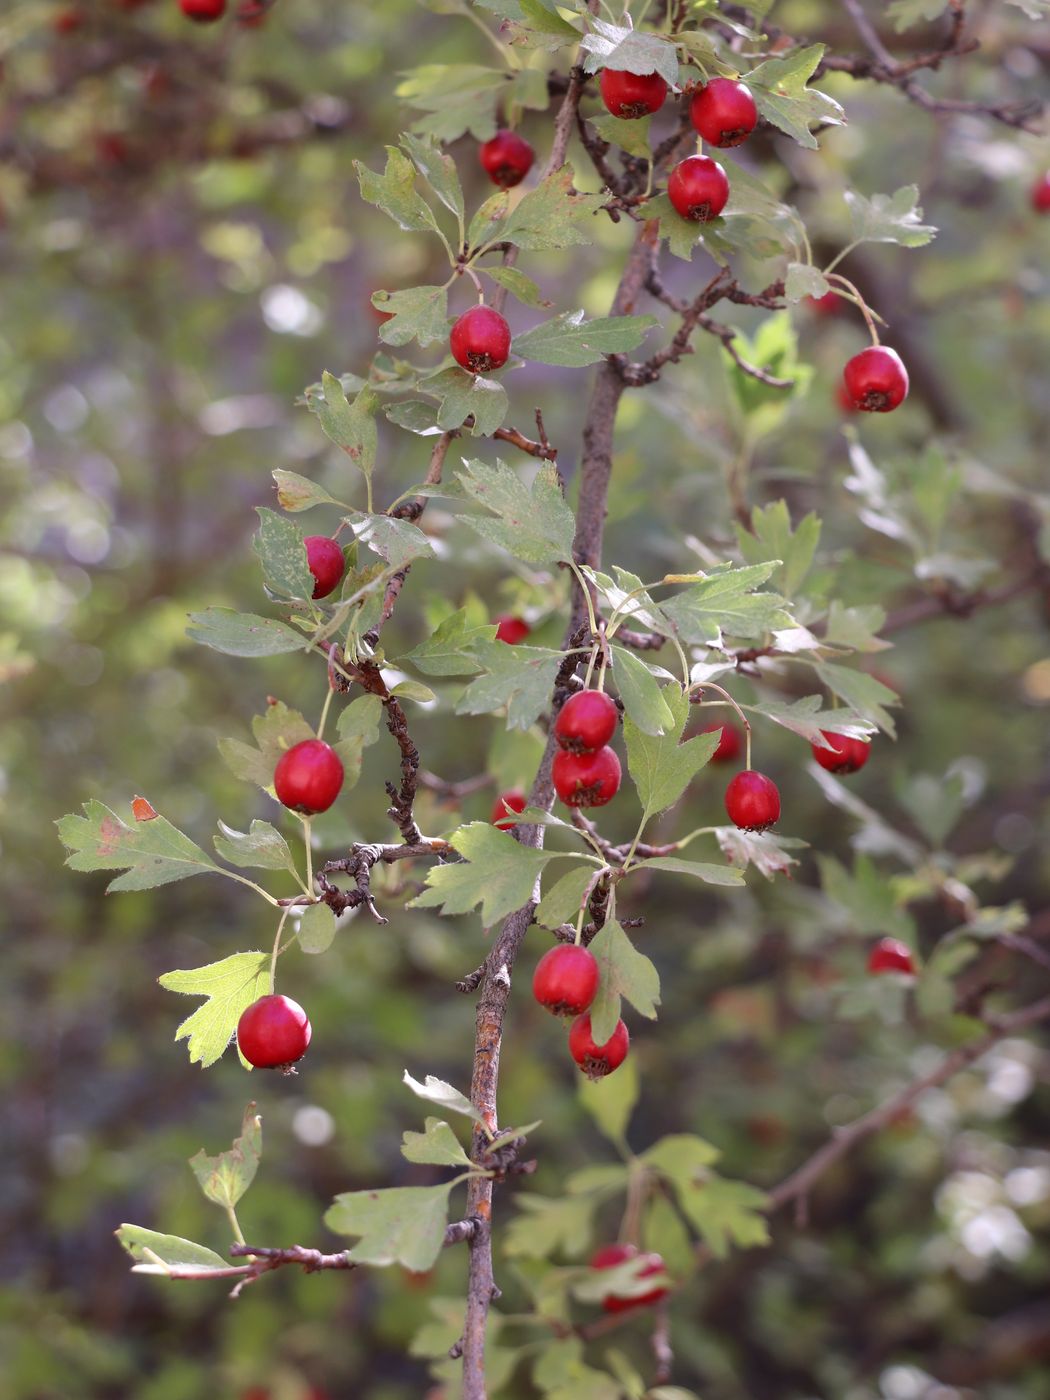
pixel 480 340
pixel 586 779
pixel 752 801
pixel 631 95
pixel 326 562
pixel 611 1255
pixel 506 159
pixel 845 755
pixel 586 722
pixel 724 112
pixel 566 980
pixel 308 777
pixel 203 11
pixel 512 630
pixel 729 745
pixel 274 1031
pixel 891 955
pixel 1041 194
pixel 876 380
pixel 515 800
pixel 698 188
pixel 597 1061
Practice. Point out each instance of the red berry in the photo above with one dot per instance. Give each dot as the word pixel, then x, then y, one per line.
pixel 698 188
pixel 724 112
pixel 752 801
pixel 326 562
pixel 876 380
pixel 566 980
pixel 506 159
pixel 612 1255
pixel 586 722
pixel 729 745
pixel 843 399
pixel 203 11
pixel 631 95
pixel 1041 194
pixel 511 630
pixel 845 755
pixel 830 304
pixel 251 13
pixel 515 800
pixel 597 1061
pixel 480 340
pixel 891 955
pixel 273 1031
pixel 586 779
pixel 308 777
pixel 68 21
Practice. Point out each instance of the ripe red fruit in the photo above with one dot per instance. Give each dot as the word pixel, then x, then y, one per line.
pixel 511 630
pixel 480 340
pixel 597 1061
pixel 752 801
pixel 698 188
pixel 274 1031
pixel 68 21
pixel 586 779
pixel 729 745
pixel 203 11
pixel 1041 194
pixel 566 980
pixel 891 955
pixel 308 777
pixel 515 800
pixel 724 112
pixel 611 1255
pixel 326 562
pixel 845 755
pixel 631 95
pixel 586 722
pixel 506 159
pixel 876 380
pixel 830 304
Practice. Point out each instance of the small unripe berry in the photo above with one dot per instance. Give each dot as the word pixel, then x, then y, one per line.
pixel 724 112
pixel 698 188
pixel 891 955
pixel 326 562
pixel 631 95
pixel 515 800
pixel 586 779
pixel 273 1032
pixel 876 380
pixel 752 801
pixel 586 722
pixel 480 340
pixel 566 980
pixel 845 755
pixel 203 11
pixel 511 630
pixel 506 159
pixel 308 777
pixel 729 745
pixel 597 1061
pixel 612 1255
pixel 1041 194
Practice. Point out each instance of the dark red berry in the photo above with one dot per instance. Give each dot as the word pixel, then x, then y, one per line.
pixel 274 1031
pixel 631 95
pixel 566 980
pixel 480 340
pixel 68 21
pixel 326 562
pixel 845 755
pixel 586 779
pixel 876 380
pixel 506 159
pixel 729 745
pixel 610 1256
pixel 1041 194
pixel 830 304
pixel 251 13
pixel 752 801
pixel 698 188
pixel 586 722
pixel 515 800
pixel 203 11
pixel 308 777
pixel 891 955
pixel 511 630
pixel 724 112
pixel 597 1061
pixel 843 400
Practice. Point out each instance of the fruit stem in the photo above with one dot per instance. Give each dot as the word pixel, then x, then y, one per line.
pixel 308 843
pixel 579 924
pixel 856 297
pixel 324 712
pixel 273 969
pixel 637 1183
pixel 842 253
pixel 710 685
pixel 477 282
pixel 590 666
pixel 508 56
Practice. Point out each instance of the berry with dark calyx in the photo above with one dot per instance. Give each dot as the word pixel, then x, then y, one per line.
pixel 586 722
pixel 631 95
pixel 752 801
pixel 1041 194
pixel 845 755
pixel 876 380
pixel 891 955
pixel 566 980
pixel 273 1032
pixel 698 188
pixel 515 800
pixel 723 112
pixel 480 340
pixel 586 779
pixel 729 745
pixel 511 630
pixel 308 777
pixel 597 1061
pixel 326 562
pixel 203 11
pixel 506 159
pixel 610 1256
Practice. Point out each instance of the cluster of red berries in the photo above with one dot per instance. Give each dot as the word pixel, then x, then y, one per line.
pixel 585 771
pixel 610 1256
pixel 566 982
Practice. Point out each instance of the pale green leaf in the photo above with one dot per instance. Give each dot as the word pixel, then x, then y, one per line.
pixel 229 986
pixel 496 873
pixel 262 847
pixel 403 1225
pixel 625 973
pixel 243 634
pixel 151 853
pixel 437 1146
pixel 225 1178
